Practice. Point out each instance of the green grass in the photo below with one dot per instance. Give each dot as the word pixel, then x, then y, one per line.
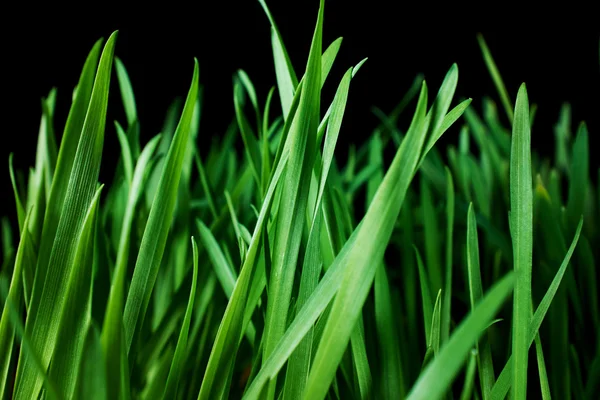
pixel 282 272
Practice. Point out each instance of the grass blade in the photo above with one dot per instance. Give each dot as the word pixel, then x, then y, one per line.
pixel 447 303
pixel 495 74
pixel 75 316
pixel 92 383
pixel 42 324
pixel 180 349
pixel 294 197
pixel 155 234
pixel 503 383
pixel 484 353
pixel 373 235
pixel 521 205
pixel 25 255
pixel 439 374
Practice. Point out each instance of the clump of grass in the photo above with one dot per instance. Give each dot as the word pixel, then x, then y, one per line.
pixel 249 275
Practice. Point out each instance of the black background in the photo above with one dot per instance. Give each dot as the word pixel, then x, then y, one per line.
pixel 558 61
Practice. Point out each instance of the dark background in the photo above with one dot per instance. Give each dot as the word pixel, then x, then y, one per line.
pixel 558 61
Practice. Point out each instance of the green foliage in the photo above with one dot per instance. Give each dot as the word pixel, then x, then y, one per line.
pixel 310 278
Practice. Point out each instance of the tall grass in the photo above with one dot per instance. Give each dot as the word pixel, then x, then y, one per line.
pixel 282 272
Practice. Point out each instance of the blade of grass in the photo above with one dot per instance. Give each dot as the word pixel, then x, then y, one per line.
pixel 92 383
pixel 392 379
pixel 467 391
pixel 495 74
pixel 503 383
pixel 19 204
pixel 294 197
pixel 426 298
pixel 25 254
pixel 544 384
pixel 181 348
pixel 75 315
pixel 484 353
pixel 156 231
pixel 373 236
pixel 113 318
pixel 126 93
pixel 42 324
pixel 521 205
pixel 447 303
pixel 439 374
pixel 231 326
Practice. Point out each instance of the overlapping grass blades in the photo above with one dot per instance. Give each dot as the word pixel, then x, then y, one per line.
pixel 313 277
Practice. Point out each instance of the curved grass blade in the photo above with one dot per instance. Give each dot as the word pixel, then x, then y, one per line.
pixel 467 391
pixel 92 382
pixel 231 327
pixel 495 74
pixel 437 377
pixel 47 300
pixel 447 303
pixel 503 383
pixel 544 384
pixel 181 348
pixel 373 236
pixel 112 327
pixel 19 204
pixel 157 228
pixel 332 280
pixel 126 153
pixel 126 93
pixel 392 379
pixel 223 269
pixel 25 255
pixel 75 316
pixel 64 164
pixel 426 299
pixel 294 197
pixel 484 353
pixel 26 346
pixel 521 205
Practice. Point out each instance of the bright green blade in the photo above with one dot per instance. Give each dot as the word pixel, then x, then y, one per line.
pixel 291 220
pixel 75 316
pixel 439 374
pixel 503 383
pixel 157 228
pixel 298 366
pixel 495 74
pixel 180 349
pixel 223 269
pixel 64 165
pixel 228 336
pixel 47 301
pixel 21 214
pixel 521 218
pixel 543 374
pixel 127 156
pixel 286 77
pixel 447 303
pixel 126 93
pixel 426 298
pixel 26 346
pixel 349 254
pixel 113 318
pixel 25 255
pixel 391 379
pixel 92 383
pixel 485 364
pixel 373 236
pixel 467 390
